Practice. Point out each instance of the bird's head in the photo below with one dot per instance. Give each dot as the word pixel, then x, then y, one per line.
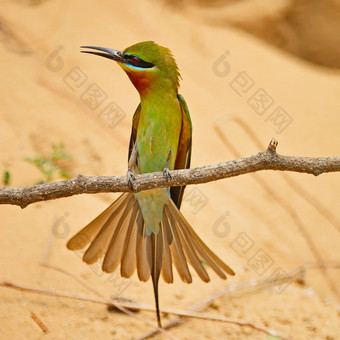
pixel 148 65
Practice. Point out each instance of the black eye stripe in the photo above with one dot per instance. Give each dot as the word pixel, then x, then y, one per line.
pixel 131 59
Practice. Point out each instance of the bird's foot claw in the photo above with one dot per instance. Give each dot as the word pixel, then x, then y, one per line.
pixel 130 178
pixel 166 174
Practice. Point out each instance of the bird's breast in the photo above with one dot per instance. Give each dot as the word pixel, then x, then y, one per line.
pixel 158 136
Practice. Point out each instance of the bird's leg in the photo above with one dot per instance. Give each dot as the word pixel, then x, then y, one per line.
pixel 166 171
pixel 132 166
pixel 130 177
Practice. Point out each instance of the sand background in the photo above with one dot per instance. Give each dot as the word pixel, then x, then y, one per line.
pixel 217 46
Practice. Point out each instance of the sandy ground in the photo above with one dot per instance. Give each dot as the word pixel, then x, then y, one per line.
pixel 262 224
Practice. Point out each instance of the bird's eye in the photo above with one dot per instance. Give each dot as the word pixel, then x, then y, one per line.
pixel 134 59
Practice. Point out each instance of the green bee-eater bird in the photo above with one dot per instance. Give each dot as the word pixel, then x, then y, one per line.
pixel 146 230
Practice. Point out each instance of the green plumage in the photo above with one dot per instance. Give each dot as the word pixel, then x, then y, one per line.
pixel 159 123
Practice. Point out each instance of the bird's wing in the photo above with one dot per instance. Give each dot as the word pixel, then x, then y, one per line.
pixel 184 150
pixel 135 121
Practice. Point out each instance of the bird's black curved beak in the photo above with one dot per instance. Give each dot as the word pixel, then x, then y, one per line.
pixel 106 53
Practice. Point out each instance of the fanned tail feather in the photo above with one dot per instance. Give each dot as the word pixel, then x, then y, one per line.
pixel 119 234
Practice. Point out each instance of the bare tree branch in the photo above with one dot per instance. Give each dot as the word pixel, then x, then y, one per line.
pixel 267 160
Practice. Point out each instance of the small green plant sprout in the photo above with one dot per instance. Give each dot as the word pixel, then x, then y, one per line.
pixel 54 165
pixel 6 177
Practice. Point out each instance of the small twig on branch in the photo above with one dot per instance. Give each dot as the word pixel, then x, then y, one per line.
pixel 267 160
